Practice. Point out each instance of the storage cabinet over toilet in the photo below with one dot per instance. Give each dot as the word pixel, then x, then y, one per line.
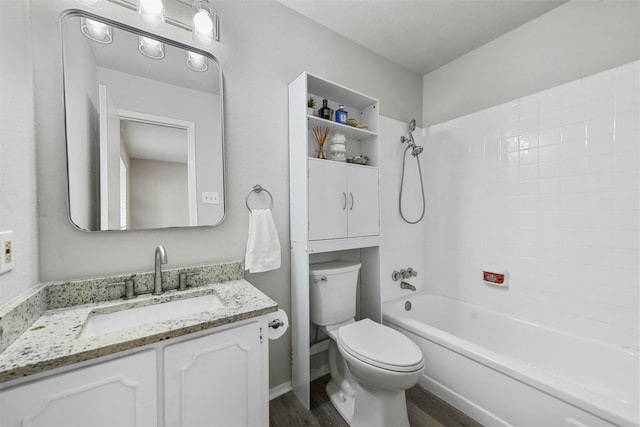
pixel 334 205
pixel 343 200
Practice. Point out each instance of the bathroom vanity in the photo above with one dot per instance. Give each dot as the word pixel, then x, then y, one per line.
pixel 205 368
pixel 193 378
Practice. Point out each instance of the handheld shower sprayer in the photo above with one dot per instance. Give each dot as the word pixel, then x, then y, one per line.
pixel 415 149
pixel 415 152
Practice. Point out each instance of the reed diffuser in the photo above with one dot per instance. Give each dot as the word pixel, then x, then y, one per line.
pixel 320 135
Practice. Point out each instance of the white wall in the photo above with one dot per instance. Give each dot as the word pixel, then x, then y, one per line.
pixel 158 193
pixel 548 187
pixel 17 149
pixel 264 46
pixel 575 40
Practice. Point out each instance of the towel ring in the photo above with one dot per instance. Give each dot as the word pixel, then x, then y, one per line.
pixel 257 189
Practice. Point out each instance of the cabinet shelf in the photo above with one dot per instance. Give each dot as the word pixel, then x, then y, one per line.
pixel 349 132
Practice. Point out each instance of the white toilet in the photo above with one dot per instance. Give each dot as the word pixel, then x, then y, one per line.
pixel 373 364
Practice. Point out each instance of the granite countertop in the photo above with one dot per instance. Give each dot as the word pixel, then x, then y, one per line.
pixel 52 340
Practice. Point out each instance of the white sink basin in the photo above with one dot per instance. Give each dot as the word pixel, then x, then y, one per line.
pixel 100 324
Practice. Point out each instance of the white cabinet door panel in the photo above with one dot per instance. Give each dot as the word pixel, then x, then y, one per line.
pixel 364 217
pixel 215 380
pixel 120 392
pixel 327 200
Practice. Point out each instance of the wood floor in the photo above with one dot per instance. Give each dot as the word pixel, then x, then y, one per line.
pixel 425 410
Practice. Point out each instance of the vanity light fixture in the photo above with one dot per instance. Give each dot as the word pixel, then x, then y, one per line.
pixel 96 31
pixel 151 12
pixel 205 22
pixel 151 48
pixel 196 62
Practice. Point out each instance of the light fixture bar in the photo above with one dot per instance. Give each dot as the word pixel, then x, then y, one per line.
pixel 177 13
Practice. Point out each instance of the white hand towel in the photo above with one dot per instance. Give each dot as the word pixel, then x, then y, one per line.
pixel 263 245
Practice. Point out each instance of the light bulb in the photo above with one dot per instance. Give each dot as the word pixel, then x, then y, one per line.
pixel 196 62
pixel 151 44
pixel 151 6
pixel 151 12
pixel 97 29
pixel 151 48
pixel 202 23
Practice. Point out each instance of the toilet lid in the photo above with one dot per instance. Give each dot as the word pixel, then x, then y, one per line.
pixel 380 346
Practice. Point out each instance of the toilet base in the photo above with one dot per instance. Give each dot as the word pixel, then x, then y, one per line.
pixel 344 404
pixel 369 407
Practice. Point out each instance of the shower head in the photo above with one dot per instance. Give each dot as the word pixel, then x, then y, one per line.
pixel 417 149
pixel 409 140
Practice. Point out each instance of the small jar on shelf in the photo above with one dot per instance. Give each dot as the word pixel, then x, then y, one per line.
pixel 338 148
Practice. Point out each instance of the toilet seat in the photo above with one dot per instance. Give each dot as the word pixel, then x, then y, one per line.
pixel 380 346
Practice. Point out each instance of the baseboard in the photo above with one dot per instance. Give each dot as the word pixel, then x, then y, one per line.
pixel 279 390
pixel 285 387
pixel 318 372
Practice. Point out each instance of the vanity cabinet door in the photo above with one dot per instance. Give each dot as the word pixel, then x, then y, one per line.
pixel 328 200
pixel 120 392
pixel 364 218
pixel 216 380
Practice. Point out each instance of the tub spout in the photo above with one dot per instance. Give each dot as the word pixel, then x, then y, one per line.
pixel 405 285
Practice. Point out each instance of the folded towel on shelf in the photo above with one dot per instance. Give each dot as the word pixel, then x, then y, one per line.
pixel 263 245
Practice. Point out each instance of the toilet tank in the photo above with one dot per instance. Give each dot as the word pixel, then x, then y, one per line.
pixel 333 291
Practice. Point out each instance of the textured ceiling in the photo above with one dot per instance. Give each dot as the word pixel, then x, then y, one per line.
pixel 422 35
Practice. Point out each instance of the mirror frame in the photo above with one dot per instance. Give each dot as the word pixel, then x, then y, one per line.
pixel 72 13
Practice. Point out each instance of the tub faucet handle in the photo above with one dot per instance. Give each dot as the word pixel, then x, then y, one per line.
pixel 396 275
pixel 411 272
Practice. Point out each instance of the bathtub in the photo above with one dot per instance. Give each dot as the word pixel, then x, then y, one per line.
pixel 506 371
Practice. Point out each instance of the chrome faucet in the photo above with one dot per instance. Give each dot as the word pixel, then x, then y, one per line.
pixel 161 258
pixel 405 285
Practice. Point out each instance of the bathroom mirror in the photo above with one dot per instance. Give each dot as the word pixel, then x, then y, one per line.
pixel 144 128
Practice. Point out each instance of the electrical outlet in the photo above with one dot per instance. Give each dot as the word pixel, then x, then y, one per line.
pixel 210 198
pixel 6 251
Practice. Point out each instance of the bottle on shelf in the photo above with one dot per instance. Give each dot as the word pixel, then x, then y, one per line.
pixel 341 115
pixel 325 113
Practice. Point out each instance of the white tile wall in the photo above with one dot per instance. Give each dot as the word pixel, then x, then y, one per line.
pixel 547 187
pixel 402 244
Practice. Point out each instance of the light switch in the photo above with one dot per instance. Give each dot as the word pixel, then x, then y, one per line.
pixel 6 251
pixel 210 198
